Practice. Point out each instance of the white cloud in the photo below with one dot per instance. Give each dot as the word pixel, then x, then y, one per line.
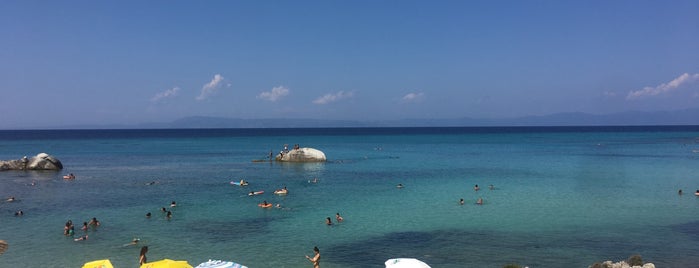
pixel 210 88
pixel 413 97
pixel 663 88
pixel 275 94
pixel 166 94
pixel 333 97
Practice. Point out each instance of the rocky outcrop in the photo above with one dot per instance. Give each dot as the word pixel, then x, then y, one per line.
pixel 621 264
pixel 301 155
pixel 42 161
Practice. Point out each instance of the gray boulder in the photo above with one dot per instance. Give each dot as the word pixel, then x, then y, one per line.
pixel 42 161
pixel 301 155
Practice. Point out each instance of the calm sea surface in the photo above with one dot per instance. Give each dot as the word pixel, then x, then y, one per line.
pixel 563 197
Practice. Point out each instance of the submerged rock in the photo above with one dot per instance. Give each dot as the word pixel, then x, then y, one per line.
pixel 301 155
pixel 42 161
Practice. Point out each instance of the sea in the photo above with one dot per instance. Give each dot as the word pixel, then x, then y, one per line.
pixel 552 196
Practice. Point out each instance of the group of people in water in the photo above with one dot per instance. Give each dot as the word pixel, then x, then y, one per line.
pixel 476 188
pixel 69 228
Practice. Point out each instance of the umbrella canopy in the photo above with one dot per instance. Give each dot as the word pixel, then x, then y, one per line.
pixel 3 246
pixel 167 263
pixel 405 263
pixel 220 264
pixel 98 264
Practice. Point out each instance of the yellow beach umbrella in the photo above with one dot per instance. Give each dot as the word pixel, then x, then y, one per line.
pixel 167 263
pixel 98 264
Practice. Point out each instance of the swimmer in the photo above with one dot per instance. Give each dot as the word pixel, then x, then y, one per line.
pixel 133 242
pixel 338 217
pixel 150 183
pixel 148 215
pixel 173 204
pixel 328 221
pixel 400 185
pixel 314 180
pixel 491 187
pixel 278 205
pixel 84 237
pixel 679 192
pixel 476 188
pixel 94 222
pixel 11 199
pixel 461 201
pixel 169 215
pixel 19 213
pixel 84 228
pixel 479 201
pixel 163 209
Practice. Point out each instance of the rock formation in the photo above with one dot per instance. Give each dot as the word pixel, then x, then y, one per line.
pixel 301 155
pixel 42 161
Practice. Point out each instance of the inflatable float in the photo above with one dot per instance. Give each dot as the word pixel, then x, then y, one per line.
pixel 281 191
pixel 244 183
pixel 265 205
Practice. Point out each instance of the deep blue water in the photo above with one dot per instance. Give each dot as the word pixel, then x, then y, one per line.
pixel 563 197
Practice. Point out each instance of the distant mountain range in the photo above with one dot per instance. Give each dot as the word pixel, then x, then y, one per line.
pixel 662 118
pixel 679 117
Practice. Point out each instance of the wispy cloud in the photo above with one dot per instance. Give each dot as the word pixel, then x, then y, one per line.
pixel 275 94
pixel 165 94
pixel 663 88
pixel 210 88
pixel 333 97
pixel 413 97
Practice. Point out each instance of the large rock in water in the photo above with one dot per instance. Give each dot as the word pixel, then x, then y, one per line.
pixel 301 155
pixel 42 161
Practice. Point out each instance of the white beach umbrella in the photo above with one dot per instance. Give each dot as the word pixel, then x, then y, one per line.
pixel 405 263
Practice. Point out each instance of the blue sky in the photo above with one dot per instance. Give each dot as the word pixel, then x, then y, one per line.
pixel 127 62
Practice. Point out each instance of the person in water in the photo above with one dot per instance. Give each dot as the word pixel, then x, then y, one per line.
pixel 84 237
pixel 148 215
pixel 476 188
pixel 169 215
pixel 316 257
pixel 84 228
pixel 461 201
pixel 400 185
pixel 338 217
pixel 479 201
pixel 328 221
pixel 142 256
pixel 94 222
pixel 173 204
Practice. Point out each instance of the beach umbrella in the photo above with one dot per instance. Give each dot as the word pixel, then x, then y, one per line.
pixel 3 246
pixel 220 264
pixel 98 264
pixel 405 263
pixel 167 263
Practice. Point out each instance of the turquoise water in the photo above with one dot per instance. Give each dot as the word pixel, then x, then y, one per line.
pixel 563 197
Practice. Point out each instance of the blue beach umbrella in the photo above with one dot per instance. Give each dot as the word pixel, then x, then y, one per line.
pixel 405 263
pixel 220 264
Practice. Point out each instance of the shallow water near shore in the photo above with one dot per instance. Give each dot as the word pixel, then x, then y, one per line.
pixel 563 197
